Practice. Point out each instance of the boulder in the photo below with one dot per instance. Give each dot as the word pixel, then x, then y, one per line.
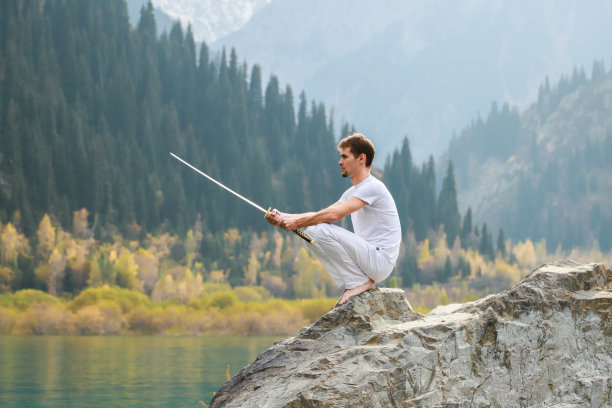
pixel 545 342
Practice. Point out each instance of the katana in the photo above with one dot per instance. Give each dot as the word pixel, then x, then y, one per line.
pixel 301 234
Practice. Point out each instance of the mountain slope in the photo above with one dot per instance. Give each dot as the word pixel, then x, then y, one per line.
pixel 419 69
pixel 543 173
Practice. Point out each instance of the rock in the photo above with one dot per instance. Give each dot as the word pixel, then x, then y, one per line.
pixel 545 342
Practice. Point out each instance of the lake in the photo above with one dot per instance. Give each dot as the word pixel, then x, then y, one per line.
pixel 123 371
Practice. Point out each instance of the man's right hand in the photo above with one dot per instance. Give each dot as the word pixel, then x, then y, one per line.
pixel 275 218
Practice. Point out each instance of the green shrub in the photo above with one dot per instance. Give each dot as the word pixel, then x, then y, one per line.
pixel 200 303
pixel 224 300
pixel 23 299
pixel 210 288
pixel 312 309
pixel 247 294
pixel 126 299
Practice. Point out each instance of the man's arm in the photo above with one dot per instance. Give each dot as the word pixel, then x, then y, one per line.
pixel 331 214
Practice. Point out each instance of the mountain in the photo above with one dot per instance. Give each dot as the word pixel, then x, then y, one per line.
pixel 209 19
pixel 419 69
pixel 164 21
pixel 543 173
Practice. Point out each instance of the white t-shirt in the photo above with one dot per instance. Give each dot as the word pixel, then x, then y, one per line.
pixel 377 222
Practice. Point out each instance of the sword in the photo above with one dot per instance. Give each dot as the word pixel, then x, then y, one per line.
pixel 301 234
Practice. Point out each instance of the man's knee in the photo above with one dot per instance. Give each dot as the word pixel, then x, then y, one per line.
pixel 321 232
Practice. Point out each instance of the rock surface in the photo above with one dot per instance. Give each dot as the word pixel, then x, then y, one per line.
pixel 545 342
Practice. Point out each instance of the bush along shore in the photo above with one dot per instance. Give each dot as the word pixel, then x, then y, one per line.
pixel 218 310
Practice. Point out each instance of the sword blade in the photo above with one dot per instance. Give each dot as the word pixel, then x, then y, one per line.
pixel 260 208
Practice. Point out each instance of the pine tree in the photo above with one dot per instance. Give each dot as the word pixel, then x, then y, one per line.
pixel 486 248
pixel 448 210
pixel 501 243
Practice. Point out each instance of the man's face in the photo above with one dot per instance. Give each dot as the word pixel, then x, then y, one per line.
pixel 348 163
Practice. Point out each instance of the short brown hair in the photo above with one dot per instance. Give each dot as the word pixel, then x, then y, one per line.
pixel 358 144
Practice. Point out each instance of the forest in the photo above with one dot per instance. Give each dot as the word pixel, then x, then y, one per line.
pixel 100 224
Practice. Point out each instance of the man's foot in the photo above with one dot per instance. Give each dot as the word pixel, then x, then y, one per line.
pixel 338 302
pixel 349 293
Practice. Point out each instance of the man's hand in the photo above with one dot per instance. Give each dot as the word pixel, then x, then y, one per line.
pixel 275 218
pixel 289 224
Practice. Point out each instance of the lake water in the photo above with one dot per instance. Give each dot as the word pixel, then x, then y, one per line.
pixel 155 371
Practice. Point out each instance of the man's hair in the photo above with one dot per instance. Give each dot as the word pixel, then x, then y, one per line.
pixel 358 144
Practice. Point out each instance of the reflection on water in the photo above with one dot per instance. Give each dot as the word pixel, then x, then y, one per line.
pixel 61 371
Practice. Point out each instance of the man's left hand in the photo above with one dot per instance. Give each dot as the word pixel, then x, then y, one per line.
pixel 289 224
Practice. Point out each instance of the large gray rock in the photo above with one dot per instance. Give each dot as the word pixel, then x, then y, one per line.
pixel 545 342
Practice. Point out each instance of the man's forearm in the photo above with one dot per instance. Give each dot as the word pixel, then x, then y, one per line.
pixel 308 219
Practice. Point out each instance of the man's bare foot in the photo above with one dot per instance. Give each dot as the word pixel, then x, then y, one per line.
pixel 349 293
pixel 338 302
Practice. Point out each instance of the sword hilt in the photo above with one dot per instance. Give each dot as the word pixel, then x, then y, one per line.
pixel 299 233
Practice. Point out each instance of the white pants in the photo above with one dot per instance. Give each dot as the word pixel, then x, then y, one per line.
pixel 350 260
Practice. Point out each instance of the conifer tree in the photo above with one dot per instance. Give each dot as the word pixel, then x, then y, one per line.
pixel 448 210
pixel 501 243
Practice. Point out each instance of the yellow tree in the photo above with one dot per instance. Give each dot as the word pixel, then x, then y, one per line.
pixel 165 289
pixel 525 254
pixel 278 248
pixel 6 275
pixel 77 251
pixel 160 246
pixel 425 254
pixel 232 236
pixel 312 280
pixel 46 238
pixel 12 243
pixel 95 276
pixel 79 223
pixel 189 287
pixel 127 270
pixel 52 273
pixel 190 248
pixel 251 271
pixel 147 269
pixel 441 251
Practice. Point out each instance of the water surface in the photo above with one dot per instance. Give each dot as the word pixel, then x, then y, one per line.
pixel 149 371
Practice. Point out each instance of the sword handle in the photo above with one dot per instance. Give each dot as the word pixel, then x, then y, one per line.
pixel 305 237
pixel 299 233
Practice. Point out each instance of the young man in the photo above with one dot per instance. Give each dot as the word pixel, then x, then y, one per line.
pixel 355 261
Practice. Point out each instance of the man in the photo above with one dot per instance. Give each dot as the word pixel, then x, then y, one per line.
pixel 355 261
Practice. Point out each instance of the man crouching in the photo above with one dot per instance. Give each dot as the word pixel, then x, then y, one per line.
pixel 354 260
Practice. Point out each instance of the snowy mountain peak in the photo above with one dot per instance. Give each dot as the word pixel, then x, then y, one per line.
pixel 211 19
